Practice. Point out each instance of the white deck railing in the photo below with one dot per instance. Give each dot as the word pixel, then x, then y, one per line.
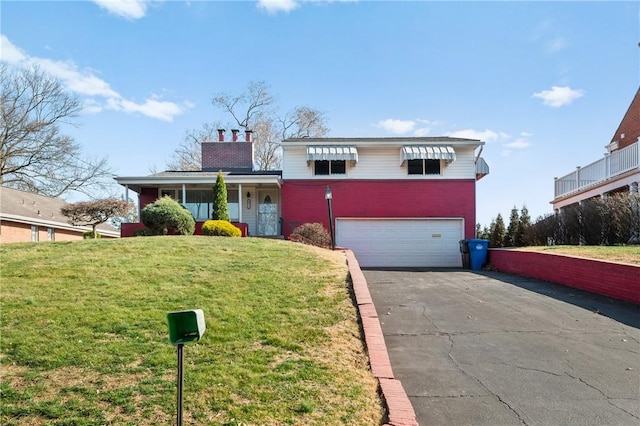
pixel 611 165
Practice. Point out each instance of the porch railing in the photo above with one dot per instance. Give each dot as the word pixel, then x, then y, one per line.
pixel 613 164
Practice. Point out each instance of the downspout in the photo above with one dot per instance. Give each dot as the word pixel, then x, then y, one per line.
pixel 478 156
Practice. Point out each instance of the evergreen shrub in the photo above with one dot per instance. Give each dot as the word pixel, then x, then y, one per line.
pixel 168 217
pixel 88 235
pixel 220 228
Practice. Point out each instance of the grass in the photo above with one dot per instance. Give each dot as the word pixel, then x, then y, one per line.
pixel 85 339
pixel 624 254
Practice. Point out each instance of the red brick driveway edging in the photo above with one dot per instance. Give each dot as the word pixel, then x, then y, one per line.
pixel 399 409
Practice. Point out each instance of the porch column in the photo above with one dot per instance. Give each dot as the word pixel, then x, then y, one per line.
pixel 240 202
pixel 184 194
pixel 126 197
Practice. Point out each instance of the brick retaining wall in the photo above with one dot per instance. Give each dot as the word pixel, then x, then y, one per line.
pixel 617 280
pixel 400 412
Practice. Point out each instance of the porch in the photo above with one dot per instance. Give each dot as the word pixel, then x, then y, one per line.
pixel 253 199
pixel 611 167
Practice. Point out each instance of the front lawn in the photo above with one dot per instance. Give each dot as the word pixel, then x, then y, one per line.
pixel 85 338
pixel 624 254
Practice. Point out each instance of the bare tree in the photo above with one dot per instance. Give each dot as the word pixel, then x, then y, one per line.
pixel 34 155
pixel 255 110
pixel 188 156
pixel 95 212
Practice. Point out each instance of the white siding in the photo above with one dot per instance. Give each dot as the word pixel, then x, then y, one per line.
pixel 377 163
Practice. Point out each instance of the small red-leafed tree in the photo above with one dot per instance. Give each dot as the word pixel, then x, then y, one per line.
pixel 93 213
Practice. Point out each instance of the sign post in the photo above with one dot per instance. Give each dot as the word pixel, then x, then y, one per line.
pixel 180 350
pixel 184 327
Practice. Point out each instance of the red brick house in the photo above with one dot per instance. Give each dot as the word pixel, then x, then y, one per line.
pixel 618 170
pixel 26 216
pixel 395 201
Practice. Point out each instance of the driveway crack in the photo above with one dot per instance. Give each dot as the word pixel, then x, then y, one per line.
pixel 607 398
pixel 471 376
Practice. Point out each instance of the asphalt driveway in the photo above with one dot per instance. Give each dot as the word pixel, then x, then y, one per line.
pixel 485 348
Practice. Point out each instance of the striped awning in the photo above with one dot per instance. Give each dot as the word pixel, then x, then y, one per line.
pixel 427 152
pixel 331 153
pixel 482 168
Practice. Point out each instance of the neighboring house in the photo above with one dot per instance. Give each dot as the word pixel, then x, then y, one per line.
pixel 617 171
pixel 253 197
pixel 26 216
pixel 396 202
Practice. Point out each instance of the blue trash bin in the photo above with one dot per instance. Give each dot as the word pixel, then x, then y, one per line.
pixel 478 250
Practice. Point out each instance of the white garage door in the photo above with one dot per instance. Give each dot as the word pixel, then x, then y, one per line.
pixel 402 242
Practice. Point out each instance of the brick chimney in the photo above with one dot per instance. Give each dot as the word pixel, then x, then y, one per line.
pixel 227 156
pixel 235 134
pixel 247 135
pixel 221 135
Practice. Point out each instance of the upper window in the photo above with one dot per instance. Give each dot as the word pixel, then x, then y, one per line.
pixel 423 167
pixel 330 167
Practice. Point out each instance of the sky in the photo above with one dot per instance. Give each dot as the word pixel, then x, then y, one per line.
pixel 544 84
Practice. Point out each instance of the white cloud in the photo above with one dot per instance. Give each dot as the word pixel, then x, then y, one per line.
pixel 85 83
pixel 154 108
pixel 518 144
pixel 129 9
pixel 483 135
pixel 422 131
pixel 397 126
pixel 9 52
pixel 80 82
pixel 559 96
pixel 275 6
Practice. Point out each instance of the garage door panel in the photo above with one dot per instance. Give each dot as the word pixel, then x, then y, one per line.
pixel 402 242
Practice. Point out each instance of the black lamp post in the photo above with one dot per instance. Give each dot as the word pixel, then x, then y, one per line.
pixel 328 196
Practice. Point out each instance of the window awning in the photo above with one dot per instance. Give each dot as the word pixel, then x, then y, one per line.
pixel 482 168
pixel 331 153
pixel 427 152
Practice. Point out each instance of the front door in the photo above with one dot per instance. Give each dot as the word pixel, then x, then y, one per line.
pixel 268 220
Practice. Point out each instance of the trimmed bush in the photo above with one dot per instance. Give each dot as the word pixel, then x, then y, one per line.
pixel 168 217
pixel 88 235
pixel 220 228
pixel 313 233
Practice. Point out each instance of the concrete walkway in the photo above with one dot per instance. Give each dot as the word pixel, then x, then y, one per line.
pixel 484 348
